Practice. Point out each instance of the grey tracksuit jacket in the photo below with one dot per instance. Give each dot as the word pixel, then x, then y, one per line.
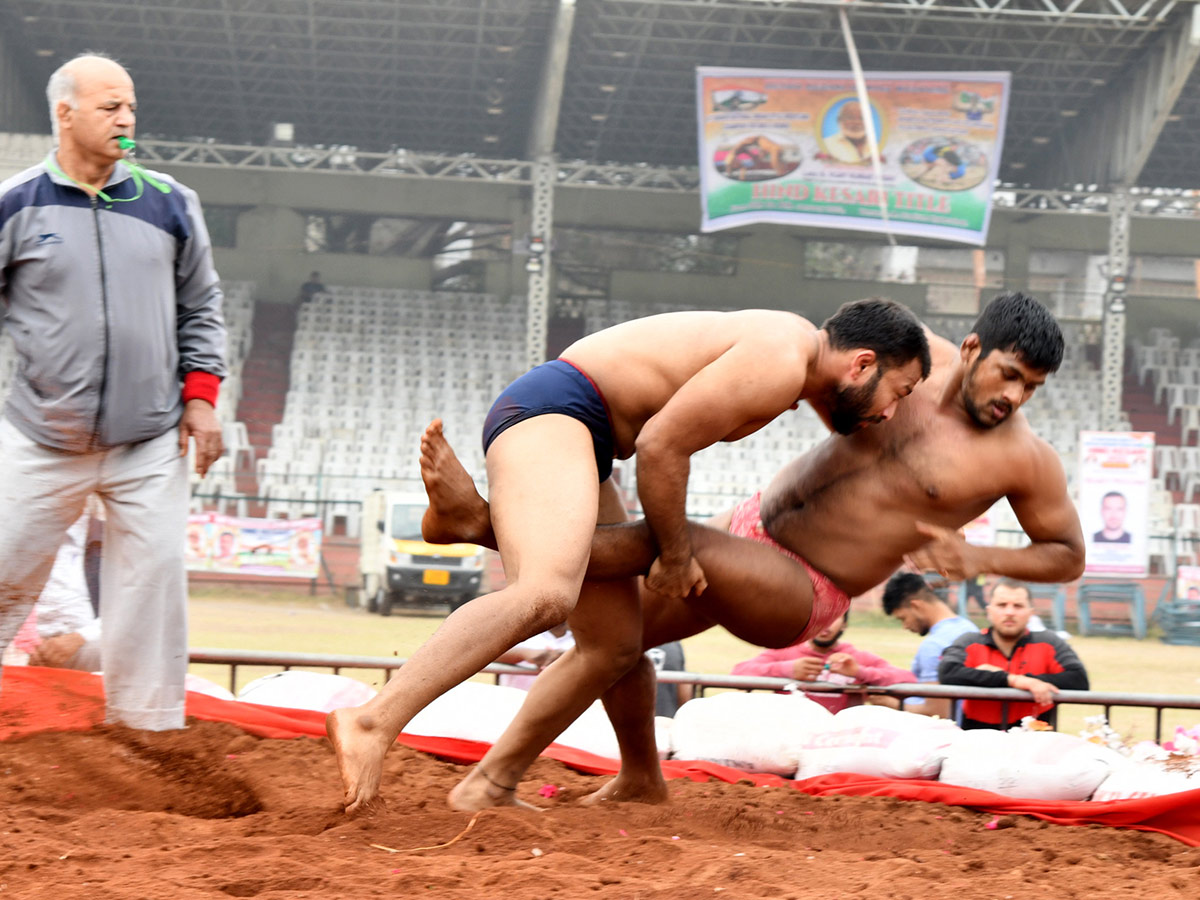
pixel 109 305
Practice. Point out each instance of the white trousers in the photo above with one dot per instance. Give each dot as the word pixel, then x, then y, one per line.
pixel 143 584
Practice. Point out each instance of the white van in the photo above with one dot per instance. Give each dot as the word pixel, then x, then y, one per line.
pixel 399 568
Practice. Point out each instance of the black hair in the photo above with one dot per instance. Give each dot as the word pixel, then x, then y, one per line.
pixel 1112 494
pixel 1018 322
pixel 1015 585
pixel 901 588
pixel 884 326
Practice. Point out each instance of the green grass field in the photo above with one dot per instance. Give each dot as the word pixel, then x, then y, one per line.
pixel 234 619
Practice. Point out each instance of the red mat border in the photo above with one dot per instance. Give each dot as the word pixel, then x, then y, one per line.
pixel 34 700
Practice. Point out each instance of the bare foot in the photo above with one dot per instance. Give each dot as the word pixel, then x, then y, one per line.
pixel 475 793
pixel 456 511
pixel 360 748
pixel 627 789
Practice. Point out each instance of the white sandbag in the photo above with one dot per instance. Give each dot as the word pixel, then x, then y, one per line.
pixel 471 711
pixel 1150 779
pixel 664 736
pixel 1037 765
pixel 752 732
pixel 592 732
pixel 204 686
pixel 878 742
pixel 307 690
pixel 474 711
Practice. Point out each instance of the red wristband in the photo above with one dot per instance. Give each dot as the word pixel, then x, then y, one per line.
pixel 201 386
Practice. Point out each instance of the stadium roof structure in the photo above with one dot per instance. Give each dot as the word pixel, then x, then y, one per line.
pixel 1104 93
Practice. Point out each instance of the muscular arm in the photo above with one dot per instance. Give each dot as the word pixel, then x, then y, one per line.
pixel 1044 510
pixel 730 397
pixel 1056 552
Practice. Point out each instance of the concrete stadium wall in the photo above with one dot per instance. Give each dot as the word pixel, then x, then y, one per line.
pixel 22 104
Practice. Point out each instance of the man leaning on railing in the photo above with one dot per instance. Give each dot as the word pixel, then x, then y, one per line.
pixel 1008 655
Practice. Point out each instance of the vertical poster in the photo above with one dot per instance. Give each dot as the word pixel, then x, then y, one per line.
pixel 790 147
pixel 1115 469
pixel 274 547
pixel 1187 583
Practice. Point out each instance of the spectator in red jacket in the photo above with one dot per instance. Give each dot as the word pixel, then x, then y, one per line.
pixel 827 658
pixel 1008 655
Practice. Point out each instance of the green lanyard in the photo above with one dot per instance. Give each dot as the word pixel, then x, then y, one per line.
pixel 140 176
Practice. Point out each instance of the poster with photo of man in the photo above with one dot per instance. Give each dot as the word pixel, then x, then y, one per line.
pixel 1187 583
pixel 1115 470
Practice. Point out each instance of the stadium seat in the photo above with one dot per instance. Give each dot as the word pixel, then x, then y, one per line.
pixel 1186 521
pixel 1179 619
pixel 1150 359
pixel 1131 621
pixel 1181 396
pixel 1189 467
pixel 1168 464
pixel 1189 422
pixel 237 445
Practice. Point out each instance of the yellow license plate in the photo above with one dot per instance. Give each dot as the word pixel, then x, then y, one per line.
pixel 436 576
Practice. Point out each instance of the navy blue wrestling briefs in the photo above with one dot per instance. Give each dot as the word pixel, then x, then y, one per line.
pixel 555 387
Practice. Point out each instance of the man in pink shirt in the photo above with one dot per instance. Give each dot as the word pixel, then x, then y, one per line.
pixel 826 658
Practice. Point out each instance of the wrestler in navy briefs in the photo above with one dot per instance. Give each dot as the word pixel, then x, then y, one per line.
pixel 555 387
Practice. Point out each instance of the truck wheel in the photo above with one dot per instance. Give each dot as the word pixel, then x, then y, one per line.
pixel 373 600
pixel 461 601
pixel 385 602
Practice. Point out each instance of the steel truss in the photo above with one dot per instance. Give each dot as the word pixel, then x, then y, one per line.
pixel 1112 365
pixel 1109 12
pixel 1145 202
pixel 465 75
pixel 630 92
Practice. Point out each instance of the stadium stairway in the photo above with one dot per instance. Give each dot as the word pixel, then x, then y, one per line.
pixel 265 377
pixel 1146 415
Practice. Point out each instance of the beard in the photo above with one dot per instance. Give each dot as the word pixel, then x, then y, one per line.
pixel 981 413
pixel 848 411
pixel 817 642
pixel 1010 632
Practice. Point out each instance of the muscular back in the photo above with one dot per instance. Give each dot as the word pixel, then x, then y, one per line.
pixel 640 365
pixel 850 506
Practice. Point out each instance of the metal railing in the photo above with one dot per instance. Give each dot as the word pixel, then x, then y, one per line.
pixel 702 681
